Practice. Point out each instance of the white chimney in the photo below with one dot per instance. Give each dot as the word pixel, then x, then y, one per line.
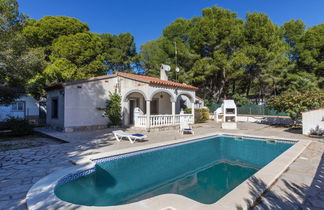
pixel 163 71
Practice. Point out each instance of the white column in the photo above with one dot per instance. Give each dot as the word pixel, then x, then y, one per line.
pixel 148 113
pixel 173 112
pixel 193 111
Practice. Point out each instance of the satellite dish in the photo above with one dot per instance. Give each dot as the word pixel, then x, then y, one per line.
pixel 165 67
pixel 177 69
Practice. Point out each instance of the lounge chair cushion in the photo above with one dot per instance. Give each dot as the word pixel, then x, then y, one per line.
pixel 137 135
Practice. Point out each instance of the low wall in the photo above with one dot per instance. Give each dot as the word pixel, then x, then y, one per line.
pixel 269 120
pixel 313 122
pixel 264 119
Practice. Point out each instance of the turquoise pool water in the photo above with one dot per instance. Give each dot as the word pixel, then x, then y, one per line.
pixel 203 170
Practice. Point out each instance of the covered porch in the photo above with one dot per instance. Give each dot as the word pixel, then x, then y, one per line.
pixel 158 107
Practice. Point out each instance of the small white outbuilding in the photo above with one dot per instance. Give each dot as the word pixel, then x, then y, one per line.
pixel 313 122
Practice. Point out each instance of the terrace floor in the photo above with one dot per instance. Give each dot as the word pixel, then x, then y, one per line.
pixel 301 186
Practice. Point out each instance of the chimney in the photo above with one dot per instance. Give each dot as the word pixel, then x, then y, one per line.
pixel 163 72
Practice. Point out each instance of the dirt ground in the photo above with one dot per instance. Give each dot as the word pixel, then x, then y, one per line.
pixel 21 142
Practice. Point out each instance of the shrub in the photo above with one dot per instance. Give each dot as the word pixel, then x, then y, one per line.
pixel 294 103
pixel 19 127
pixel 113 109
pixel 201 115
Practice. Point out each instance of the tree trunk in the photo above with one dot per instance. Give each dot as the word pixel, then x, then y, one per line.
pixel 233 87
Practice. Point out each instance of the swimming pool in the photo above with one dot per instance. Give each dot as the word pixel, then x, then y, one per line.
pixel 203 170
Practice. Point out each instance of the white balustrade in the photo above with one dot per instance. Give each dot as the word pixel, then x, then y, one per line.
pixel 141 121
pixel 162 120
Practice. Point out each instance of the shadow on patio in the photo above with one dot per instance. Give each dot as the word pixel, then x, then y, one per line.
pixel 291 196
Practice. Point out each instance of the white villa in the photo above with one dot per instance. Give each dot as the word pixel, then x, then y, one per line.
pixel 147 102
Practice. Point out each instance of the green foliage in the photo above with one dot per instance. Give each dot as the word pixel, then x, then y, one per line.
pixel 11 70
pixel 72 55
pixel 82 50
pixel 294 103
pixel 11 20
pixel 240 100
pixel 35 86
pixel 8 95
pixel 119 51
pixel 219 53
pixel 265 50
pixel 311 53
pixel 18 127
pixel 113 109
pixel 201 115
pixel 44 31
pixel 293 31
pixel 224 55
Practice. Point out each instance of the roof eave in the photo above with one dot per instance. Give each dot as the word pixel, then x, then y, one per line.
pixel 131 78
pixel 174 86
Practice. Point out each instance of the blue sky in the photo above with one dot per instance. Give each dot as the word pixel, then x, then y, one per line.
pixel 145 19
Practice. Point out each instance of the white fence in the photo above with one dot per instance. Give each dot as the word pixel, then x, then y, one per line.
pixel 162 120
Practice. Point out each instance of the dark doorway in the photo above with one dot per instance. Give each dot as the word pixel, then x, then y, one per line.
pixel 54 108
pixel 133 103
pixel 155 106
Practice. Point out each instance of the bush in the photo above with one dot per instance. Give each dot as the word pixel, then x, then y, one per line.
pixel 19 127
pixel 187 110
pixel 201 115
pixel 113 109
pixel 294 103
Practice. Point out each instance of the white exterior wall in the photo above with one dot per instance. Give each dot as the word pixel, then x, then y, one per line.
pixel 83 101
pixel 31 109
pixel 58 122
pixel 164 105
pixel 312 121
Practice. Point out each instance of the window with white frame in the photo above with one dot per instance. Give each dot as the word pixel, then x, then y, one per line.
pixel 18 106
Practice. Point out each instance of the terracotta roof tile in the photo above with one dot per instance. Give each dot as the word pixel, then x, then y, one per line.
pixel 150 80
pixel 157 81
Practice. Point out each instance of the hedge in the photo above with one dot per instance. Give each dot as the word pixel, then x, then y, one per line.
pixel 201 114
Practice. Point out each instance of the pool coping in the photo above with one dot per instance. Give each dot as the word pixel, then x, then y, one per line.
pixel 41 194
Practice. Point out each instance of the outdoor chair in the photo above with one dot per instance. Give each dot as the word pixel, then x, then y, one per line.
pixel 185 127
pixel 119 135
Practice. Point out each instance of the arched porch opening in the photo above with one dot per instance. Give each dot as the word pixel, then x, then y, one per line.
pixel 184 101
pixel 133 99
pixel 161 103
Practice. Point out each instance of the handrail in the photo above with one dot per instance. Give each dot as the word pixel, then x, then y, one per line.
pixel 162 120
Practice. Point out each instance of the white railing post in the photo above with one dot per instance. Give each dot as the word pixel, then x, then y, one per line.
pixel 148 114
pixel 173 112
pixel 193 112
pixel 137 113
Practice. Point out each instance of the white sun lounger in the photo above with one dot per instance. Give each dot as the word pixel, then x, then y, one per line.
pixel 186 128
pixel 119 134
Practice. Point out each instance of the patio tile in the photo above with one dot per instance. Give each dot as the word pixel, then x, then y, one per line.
pixel 30 165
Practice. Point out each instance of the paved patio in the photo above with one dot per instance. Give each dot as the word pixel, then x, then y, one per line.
pixel 301 186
